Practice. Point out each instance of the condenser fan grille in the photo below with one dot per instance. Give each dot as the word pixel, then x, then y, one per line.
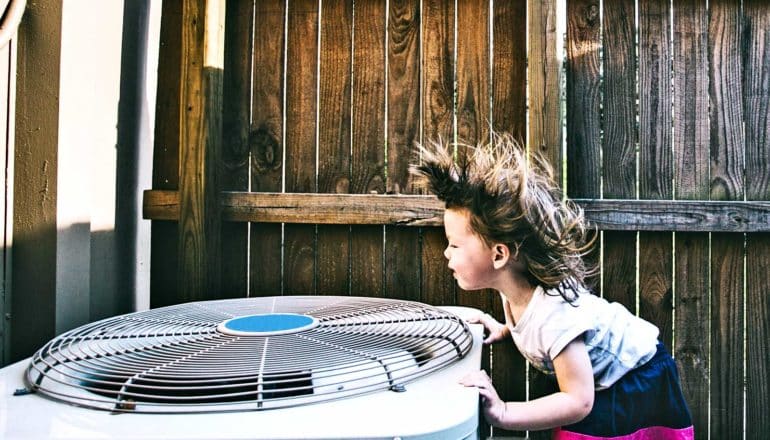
pixel 247 354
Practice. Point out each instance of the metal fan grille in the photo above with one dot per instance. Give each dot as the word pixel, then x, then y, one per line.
pixel 175 360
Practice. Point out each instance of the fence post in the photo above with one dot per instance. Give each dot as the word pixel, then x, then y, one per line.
pixel 200 139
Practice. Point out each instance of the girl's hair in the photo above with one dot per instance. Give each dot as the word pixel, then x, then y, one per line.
pixel 514 201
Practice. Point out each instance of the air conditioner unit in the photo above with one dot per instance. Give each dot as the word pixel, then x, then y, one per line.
pixel 319 367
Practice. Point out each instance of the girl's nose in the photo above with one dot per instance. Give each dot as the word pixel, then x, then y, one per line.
pixel 446 252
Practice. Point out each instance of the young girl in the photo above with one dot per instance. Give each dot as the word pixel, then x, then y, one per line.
pixel 510 230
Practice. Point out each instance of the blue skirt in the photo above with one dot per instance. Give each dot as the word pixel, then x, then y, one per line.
pixel 646 403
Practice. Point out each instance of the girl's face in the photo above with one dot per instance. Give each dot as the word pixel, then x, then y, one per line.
pixel 470 259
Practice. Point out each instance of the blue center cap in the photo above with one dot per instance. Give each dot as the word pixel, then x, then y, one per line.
pixel 267 324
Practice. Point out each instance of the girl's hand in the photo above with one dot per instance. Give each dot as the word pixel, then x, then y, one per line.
pixel 495 330
pixel 493 407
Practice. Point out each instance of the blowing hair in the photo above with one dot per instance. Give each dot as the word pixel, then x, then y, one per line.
pixel 514 201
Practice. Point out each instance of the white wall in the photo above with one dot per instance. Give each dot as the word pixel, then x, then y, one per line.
pixel 108 66
pixel 85 117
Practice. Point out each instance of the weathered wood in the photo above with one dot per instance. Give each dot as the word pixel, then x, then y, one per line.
pixel 418 210
pixel 334 122
pixel 583 99
pixel 402 245
pixel 266 142
pixel 473 82
pixel 300 169
pixel 727 253
pixel 472 114
pixel 692 324
pixel 473 105
pixel 757 335
pixel 509 102
pixel 165 162
pixel 437 283
pixel 545 73
pixel 691 163
pixel 655 163
pixel 368 136
pixel 756 103
pixel 236 100
pixel 509 68
pixel 677 215
pixel 544 116
pixel 619 146
pixel 200 134
pixel 655 157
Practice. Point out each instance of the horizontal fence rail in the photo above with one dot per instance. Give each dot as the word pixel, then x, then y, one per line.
pixel 418 210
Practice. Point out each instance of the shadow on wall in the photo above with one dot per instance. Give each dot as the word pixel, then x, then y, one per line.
pixel 61 279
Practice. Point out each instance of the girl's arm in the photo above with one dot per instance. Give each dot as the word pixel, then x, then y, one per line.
pixel 569 405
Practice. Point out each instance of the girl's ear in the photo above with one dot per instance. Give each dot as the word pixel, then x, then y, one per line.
pixel 501 254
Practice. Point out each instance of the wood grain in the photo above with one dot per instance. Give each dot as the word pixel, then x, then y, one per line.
pixel 438 27
pixel 756 103
pixel 691 165
pixel 509 68
pixel 545 74
pixel 402 245
pixel 509 103
pixel 618 146
pixel 473 104
pixel 334 121
pixel 368 135
pixel 266 140
pixel 416 210
pixel 583 99
pixel 236 118
pixel 727 252
pixel 300 165
pixel 165 159
pixel 200 133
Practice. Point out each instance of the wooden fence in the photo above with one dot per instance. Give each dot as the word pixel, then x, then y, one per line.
pixel 282 168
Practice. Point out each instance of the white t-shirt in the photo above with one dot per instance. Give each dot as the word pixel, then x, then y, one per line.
pixel 617 341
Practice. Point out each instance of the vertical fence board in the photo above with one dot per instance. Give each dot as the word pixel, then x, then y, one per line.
pixel 509 68
pixel 266 141
pixel 691 173
pixel 509 101
pixel 438 286
pixel 333 269
pixel 583 112
pixel 545 73
pixel 165 160
pixel 402 245
pixel 236 100
pixel 472 113
pixel 545 126
pixel 655 162
pixel 726 139
pixel 618 147
pixel 756 97
pixel 301 75
pixel 368 159
pixel 200 133
pixel 583 99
